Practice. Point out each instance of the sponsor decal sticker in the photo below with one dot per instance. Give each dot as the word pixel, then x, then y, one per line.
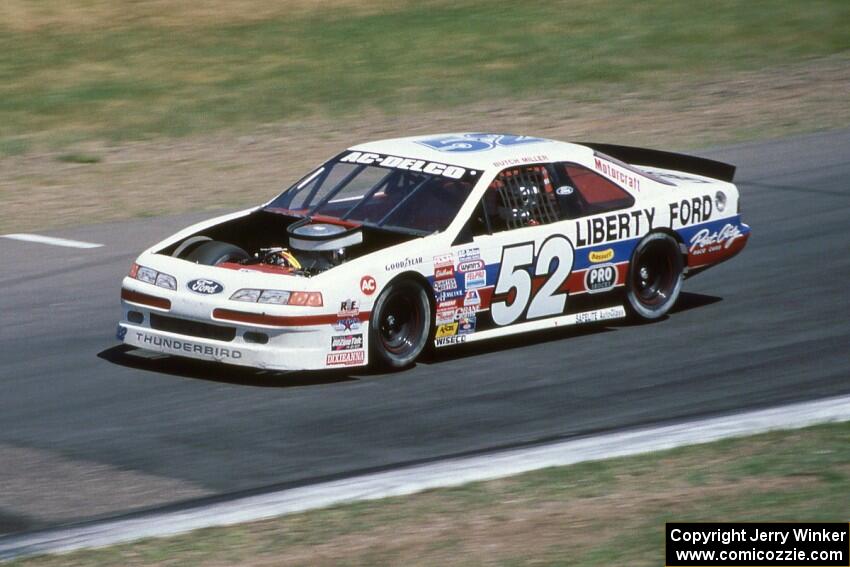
pixel 445 295
pixel 453 314
pixel 470 266
pixel 616 226
pixel 444 316
pixel 205 287
pixel 690 211
pixel 181 346
pixel 405 263
pixel 706 241
pixel 120 333
pixel 368 285
pixel 445 285
pixel 464 311
pixel 444 272
pixel 616 173
pixel 346 358
pixel 601 314
pixel 349 308
pixel 472 297
pixel 597 256
pixel 347 342
pixel 446 330
pixel 564 190
pixel 600 278
pixel 468 254
pixel 419 165
pixel 349 324
pixel 443 260
pixel 466 325
pixel 450 340
pixel 477 278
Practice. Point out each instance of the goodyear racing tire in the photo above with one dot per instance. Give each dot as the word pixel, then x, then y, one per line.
pixel 655 276
pixel 213 253
pixel 400 325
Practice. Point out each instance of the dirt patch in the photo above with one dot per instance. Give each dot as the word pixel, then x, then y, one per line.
pixel 226 170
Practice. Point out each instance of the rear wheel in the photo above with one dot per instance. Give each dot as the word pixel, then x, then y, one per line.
pixel 400 324
pixel 213 253
pixel 655 276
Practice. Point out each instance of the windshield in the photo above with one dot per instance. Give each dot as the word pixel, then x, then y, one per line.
pixel 381 190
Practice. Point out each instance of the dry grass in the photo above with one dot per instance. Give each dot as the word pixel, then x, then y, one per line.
pixel 90 15
pixel 226 170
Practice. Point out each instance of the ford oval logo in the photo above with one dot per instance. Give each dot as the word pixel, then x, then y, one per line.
pixel 207 287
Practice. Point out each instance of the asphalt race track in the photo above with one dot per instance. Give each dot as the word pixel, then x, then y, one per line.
pixel 90 430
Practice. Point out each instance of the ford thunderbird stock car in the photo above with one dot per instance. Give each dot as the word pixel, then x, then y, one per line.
pixel 395 245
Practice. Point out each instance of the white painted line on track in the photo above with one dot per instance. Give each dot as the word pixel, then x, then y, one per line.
pixel 408 480
pixel 51 240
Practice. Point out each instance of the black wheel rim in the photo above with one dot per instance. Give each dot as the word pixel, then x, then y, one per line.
pixel 653 276
pixel 400 324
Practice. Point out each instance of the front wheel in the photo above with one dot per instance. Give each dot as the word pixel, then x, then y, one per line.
pixel 213 253
pixel 655 276
pixel 400 324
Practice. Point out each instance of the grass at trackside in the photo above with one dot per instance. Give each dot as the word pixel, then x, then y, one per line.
pixel 140 78
pixel 598 513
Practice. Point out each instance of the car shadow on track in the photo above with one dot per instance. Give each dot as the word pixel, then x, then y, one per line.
pixel 686 302
pixel 130 357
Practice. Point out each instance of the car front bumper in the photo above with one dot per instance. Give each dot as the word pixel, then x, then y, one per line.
pixel 286 349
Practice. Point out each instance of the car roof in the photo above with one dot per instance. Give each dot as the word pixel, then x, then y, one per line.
pixel 475 150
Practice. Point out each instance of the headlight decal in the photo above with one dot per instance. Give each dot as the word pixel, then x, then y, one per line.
pixel 153 277
pixel 279 297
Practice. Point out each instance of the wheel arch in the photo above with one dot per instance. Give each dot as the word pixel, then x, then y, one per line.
pixel 683 249
pixel 421 280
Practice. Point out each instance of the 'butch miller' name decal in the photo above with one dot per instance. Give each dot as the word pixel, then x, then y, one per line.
pixel 420 165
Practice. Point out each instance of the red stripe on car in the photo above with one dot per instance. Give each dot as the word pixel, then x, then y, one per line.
pixel 145 299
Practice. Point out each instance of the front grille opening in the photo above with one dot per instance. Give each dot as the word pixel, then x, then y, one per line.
pixel 135 317
pixel 259 338
pixel 192 328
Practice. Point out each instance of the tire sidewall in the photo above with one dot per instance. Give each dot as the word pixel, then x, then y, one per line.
pixel 380 355
pixel 214 252
pixel 636 307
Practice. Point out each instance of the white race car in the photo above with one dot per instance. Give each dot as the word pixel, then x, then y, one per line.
pixel 443 239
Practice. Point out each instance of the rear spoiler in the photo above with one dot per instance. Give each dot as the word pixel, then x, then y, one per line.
pixel 666 160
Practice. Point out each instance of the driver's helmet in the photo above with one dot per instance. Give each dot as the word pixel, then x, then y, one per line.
pixel 519 204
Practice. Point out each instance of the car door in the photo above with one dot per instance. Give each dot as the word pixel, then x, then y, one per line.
pixel 553 239
pixel 601 220
pixel 511 262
